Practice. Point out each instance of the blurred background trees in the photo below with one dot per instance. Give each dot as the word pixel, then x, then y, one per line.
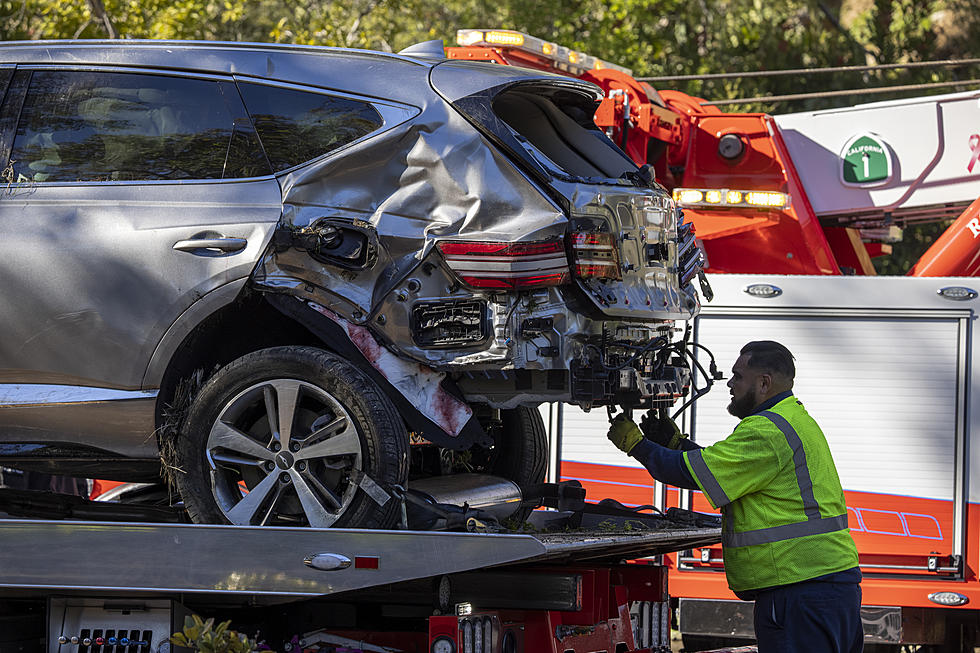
pixel 653 37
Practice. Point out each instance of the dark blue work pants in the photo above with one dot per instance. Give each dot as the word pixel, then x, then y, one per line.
pixel 809 617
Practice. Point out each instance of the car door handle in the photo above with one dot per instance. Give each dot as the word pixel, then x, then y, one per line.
pixel 210 245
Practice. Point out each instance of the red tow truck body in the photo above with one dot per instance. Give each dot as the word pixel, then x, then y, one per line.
pixel 818 195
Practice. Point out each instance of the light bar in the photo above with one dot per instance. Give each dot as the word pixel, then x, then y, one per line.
pixel 725 197
pixel 564 58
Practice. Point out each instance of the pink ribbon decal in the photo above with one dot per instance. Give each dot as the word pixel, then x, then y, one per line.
pixel 975 148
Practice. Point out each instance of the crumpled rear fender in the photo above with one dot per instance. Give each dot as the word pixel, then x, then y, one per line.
pixel 431 177
pixel 419 393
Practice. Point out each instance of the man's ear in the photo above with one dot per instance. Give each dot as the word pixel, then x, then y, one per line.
pixel 765 382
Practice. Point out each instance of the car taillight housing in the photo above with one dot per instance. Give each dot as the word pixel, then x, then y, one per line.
pixel 507 266
pixel 595 255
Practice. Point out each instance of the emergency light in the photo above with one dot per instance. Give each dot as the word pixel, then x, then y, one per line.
pixel 565 59
pixel 724 197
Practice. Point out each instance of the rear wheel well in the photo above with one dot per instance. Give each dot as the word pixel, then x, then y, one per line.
pixel 248 324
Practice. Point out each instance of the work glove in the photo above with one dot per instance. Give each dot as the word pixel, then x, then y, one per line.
pixel 624 433
pixel 661 430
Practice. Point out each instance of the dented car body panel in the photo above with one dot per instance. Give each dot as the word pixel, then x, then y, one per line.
pixel 476 232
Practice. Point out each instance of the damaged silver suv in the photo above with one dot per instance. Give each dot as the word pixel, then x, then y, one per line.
pixel 303 277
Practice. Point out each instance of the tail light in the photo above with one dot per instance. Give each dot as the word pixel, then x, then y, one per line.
pixel 595 255
pixel 507 266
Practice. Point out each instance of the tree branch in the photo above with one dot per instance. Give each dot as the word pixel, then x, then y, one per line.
pixel 98 10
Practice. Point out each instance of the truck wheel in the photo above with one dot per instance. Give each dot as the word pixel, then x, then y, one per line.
pixel 291 436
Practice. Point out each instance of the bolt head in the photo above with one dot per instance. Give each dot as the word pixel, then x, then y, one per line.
pixel 276 446
pixel 294 447
pixel 284 478
pixel 301 466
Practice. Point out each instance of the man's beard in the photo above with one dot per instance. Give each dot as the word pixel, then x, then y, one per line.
pixel 742 408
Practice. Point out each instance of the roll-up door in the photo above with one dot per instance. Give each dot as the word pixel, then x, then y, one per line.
pixel 884 391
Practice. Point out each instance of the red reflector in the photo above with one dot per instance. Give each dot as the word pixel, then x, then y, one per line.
pixel 366 562
pixel 595 255
pixel 508 266
pixel 516 283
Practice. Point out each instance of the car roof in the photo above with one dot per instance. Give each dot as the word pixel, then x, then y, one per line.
pixel 402 77
pixel 360 71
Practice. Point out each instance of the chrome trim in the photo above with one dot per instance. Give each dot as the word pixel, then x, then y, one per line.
pixel 763 290
pixel 958 599
pixel 714 310
pixel 327 561
pixel 948 293
pixel 961 460
pixel 122 68
pixel 38 394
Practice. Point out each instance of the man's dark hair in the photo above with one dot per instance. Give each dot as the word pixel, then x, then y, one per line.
pixel 771 357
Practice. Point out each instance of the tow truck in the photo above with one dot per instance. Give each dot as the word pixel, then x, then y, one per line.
pixel 816 193
pixel 886 364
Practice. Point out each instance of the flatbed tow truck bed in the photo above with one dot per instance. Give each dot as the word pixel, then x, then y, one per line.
pixel 124 587
pixel 180 558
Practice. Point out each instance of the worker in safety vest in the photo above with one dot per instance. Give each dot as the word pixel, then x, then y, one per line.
pixel 784 523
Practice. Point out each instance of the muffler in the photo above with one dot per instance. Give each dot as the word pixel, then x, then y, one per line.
pixel 498 497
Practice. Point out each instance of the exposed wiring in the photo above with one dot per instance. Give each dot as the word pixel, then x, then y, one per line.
pixel 710 378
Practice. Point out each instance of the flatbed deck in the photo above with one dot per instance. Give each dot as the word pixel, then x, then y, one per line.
pixel 114 557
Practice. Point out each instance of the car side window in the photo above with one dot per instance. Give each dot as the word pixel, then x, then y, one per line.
pixel 108 126
pixel 298 126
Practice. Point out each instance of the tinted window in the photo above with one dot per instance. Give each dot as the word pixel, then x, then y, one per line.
pixel 91 126
pixel 297 126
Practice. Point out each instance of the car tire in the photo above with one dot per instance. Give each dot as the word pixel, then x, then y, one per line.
pixel 521 447
pixel 345 445
pixel 520 451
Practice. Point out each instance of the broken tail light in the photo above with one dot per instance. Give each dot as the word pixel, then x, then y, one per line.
pixel 507 266
pixel 595 256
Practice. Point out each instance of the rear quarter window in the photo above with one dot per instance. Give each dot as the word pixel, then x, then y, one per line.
pixel 297 126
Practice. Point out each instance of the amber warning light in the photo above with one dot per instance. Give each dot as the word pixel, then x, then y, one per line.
pixel 725 197
pixel 565 59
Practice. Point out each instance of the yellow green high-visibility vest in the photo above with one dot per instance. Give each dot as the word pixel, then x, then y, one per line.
pixel 783 513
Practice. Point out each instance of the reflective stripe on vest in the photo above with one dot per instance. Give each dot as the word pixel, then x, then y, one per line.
pixel 711 486
pixel 810 507
pixel 785 532
pixel 814 524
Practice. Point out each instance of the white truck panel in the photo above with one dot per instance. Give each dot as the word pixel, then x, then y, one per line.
pixel 883 366
pixel 882 390
pixel 932 144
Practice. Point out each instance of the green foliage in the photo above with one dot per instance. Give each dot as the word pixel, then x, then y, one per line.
pixel 199 635
pixel 916 239
pixel 653 37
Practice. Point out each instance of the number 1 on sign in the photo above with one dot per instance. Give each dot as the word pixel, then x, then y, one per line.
pixel 867 164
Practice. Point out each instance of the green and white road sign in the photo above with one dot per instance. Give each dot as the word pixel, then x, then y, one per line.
pixel 865 159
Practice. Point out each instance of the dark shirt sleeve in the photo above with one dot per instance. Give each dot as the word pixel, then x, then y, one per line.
pixel 665 465
pixel 687 445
